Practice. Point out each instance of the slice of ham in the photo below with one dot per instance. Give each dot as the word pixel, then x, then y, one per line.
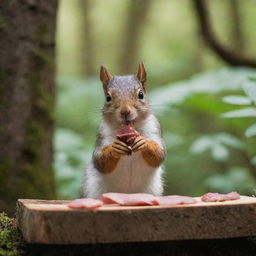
pixel 127 134
pixel 216 197
pixel 86 203
pixel 175 200
pixel 129 199
pixel 142 199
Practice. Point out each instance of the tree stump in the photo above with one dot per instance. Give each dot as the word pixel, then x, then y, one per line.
pixel 52 222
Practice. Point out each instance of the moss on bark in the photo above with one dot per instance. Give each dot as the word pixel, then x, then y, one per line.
pixel 2 22
pixel 11 243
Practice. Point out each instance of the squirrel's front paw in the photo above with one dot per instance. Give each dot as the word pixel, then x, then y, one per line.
pixel 120 148
pixel 139 143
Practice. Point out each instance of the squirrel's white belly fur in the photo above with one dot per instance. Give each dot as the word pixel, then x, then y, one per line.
pixel 132 173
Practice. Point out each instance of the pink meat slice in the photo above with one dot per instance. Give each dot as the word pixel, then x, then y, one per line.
pixel 217 197
pixel 127 134
pixel 175 200
pixel 129 199
pixel 86 203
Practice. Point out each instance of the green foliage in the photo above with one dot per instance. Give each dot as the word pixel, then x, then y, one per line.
pixel 249 88
pixel 79 104
pixel 245 112
pixel 189 113
pixel 251 131
pixel 237 100
pixel 211 82
pixel 11 242
pixel 173 140
pixel 235 179
pixel 71 156
pixel 78 116
pixel 217 144
pixel 204 110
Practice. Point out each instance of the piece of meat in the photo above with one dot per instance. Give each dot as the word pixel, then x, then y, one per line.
pixel 129 199
pixel 86 203
pixel 175 200
pixel 127 134
pixel 217 197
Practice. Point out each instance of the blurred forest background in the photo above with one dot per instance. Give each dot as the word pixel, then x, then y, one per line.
pixel 200 58
pixel 190 87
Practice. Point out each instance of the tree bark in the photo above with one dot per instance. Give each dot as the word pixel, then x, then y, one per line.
pixel 87 50
pixel 137 15
pixel 27 95
pixel 232 57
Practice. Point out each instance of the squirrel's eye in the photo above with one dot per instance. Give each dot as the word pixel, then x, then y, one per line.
pixel 108 98
pixel 140 94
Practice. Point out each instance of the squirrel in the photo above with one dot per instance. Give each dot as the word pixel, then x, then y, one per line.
pixel 115 167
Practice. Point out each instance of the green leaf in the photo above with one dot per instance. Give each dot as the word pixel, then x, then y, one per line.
pixel 220 152
pixel 229 140
pixel 237 100
pixel 250 89
pixel 217 144
pixel 251 131
pixel 245 112
pixel 211 82
pixel 201 144
pixel 252 78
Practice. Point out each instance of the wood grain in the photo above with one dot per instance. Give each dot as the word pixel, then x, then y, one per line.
pixel 52 222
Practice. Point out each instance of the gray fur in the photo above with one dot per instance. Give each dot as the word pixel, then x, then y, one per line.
pixel 122 82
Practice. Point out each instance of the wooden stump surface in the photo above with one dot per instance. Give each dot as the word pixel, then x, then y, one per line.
pixel 52 222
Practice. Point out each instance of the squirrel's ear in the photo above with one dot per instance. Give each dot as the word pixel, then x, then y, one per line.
pixel 142 74
pixel 105 75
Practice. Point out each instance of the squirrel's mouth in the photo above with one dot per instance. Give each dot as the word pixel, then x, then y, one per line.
pixel 128 121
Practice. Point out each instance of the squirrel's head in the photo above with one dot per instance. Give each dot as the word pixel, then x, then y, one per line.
pixel 125 96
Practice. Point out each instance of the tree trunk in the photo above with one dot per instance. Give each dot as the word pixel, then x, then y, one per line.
pixel 236 26
pixel 87 50
pixel 27 45
pixel 137 15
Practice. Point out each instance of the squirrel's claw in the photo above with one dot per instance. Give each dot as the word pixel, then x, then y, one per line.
pixel 121 148
pixel 119 152
pixel 119 142
pixel 140 142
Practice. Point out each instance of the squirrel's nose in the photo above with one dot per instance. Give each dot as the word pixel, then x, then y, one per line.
pixel 125 113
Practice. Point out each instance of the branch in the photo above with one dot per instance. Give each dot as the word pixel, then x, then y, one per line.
pixel 231 57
